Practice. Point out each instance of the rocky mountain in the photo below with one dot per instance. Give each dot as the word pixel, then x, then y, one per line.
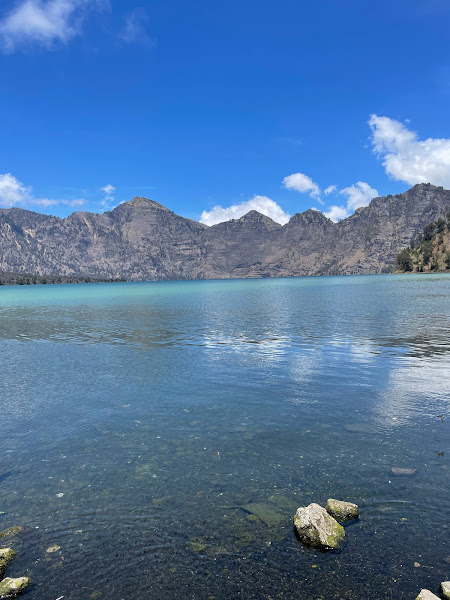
pixel 143 240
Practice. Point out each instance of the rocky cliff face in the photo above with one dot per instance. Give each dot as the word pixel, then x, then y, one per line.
pixel 142 240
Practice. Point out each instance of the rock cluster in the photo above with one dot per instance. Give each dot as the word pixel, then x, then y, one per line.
pixel 317 526
pixel 427 595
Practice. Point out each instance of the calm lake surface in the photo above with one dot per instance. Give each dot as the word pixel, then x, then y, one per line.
pixel 163 434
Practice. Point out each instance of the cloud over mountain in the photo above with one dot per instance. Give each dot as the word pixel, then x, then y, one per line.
pixel 262 204
pixel 407 158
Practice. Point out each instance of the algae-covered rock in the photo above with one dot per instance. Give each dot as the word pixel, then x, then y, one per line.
pixel 445 587
pixel 427 595
pixel 317 528
pixel 197 545
pixel 11 588
pixel 342 510
pixel 6 556
pixel 268 515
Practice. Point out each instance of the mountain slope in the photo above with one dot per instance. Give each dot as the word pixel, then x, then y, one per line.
pixel 429 252
pixel 143 240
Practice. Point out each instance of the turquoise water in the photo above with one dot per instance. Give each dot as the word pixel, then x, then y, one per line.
pixel 162 435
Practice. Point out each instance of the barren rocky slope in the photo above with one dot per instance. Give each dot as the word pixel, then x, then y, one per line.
pixel 143 240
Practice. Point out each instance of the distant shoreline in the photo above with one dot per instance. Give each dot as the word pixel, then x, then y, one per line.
pixel 13 279
pixel 25 279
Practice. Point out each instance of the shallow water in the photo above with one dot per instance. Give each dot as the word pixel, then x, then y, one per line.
pixel 138 419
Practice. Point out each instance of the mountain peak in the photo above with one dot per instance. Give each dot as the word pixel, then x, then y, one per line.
pixel 254 216
pixel 141 201
pixel 310 216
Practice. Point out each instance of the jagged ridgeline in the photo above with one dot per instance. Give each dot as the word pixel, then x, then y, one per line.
pixel 430 251
pixel 143 240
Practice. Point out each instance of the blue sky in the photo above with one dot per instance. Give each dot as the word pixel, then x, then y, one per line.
pixel 239 105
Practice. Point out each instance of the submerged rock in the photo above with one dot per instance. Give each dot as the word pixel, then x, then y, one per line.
pixel 197 545
pixel 11 588
pixel 360 428
pixel 317 528
pixel 6 556
pixel 342 510
pixel 427 595
pixel 445 587
pixel 284 503
pixel 266 513
pixel 402 472
pixel 10 532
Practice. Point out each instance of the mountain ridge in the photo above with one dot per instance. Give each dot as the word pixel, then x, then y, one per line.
pixel 143 240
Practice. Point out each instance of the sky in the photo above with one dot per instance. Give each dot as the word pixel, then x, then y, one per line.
pixel 214 109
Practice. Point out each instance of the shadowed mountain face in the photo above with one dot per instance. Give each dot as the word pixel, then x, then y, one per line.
pixel 142 240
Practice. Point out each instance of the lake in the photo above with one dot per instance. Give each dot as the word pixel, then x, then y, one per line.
pixel 158 437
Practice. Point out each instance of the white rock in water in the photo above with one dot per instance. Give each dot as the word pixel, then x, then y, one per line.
pixel 445 587
pixel 11 588
pixel 317 528
pixel 427 595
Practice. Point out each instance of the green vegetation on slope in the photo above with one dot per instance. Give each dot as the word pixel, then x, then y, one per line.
pixel 30 279
pixel 429 252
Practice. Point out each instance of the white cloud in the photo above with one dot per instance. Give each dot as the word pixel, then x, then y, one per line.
pixel 109 199
pixel 14 193
pixel 407 158
pixel 45 22
pixel 135 28
pixel 302 183
pixel 359 194
pixel 336 213
pixel 330 190
pixel 262 204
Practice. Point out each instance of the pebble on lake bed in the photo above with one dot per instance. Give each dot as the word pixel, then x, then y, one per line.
pixel 342 510
pixel 427 595
pixel 11 588
pixel 445 587
pixel 402 472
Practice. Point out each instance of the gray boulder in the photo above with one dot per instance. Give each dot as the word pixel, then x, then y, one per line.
pixel 445 587
pixel 342 510
pixel 11 588
pixel 427 595
pixel 317 528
